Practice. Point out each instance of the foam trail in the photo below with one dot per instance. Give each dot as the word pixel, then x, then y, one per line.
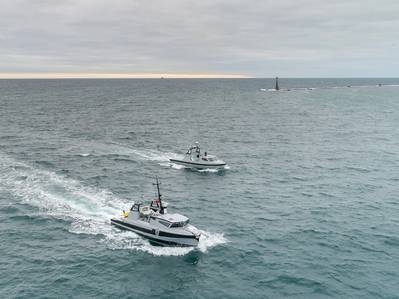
pixel 155 155
pixel 88 209
pixel 208 170
pixel 86 149
pixel 164 157
pixel 146 154
pixel 172 165
pixel 125 240
pixel 209 240
pixel 214 170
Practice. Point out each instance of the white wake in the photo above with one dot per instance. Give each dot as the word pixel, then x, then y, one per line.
pixel 88 149
pixel 88 209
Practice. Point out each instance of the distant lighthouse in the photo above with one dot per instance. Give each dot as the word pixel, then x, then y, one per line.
pixel 277 88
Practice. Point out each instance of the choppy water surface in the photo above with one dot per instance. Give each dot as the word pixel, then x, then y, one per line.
pixel 308 206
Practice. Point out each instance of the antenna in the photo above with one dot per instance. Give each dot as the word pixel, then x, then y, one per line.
pixel 157 183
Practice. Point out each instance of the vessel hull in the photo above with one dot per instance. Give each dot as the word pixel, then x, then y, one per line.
pixel 193 164
pixel 162 238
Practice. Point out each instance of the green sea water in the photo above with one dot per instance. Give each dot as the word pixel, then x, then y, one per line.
pixel 307 207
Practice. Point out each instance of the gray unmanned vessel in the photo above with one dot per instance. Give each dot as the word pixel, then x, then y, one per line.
pixel 155 223
pixel 195 159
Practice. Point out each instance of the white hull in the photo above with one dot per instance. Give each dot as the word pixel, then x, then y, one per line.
pixel 199 165
pixel 154 236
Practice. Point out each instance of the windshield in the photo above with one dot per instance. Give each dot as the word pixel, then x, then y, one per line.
pixel 165 223
pixel 179 224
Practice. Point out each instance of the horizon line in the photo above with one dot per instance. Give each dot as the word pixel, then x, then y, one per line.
pixel 81 75
pixel 103 75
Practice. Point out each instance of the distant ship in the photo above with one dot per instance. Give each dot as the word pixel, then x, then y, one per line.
pixel 276 87
pixel 195 159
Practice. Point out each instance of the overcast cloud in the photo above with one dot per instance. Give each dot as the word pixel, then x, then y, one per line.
pixel 308 38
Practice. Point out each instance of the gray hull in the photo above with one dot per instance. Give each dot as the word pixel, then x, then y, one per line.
pixel 199 165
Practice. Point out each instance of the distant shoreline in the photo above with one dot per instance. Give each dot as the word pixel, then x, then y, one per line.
pixel 67 76
pixel 118 76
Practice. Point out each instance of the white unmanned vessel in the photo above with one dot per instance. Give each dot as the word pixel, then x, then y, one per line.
pixel 153 222
pixel 195 159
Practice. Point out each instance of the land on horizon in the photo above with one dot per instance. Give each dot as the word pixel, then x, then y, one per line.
pixel 82 75
pixel 157 76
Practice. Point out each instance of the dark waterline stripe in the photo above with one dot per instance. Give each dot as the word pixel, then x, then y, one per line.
pixel 163 242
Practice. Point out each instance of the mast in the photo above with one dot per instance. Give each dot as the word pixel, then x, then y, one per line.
pixel 277 88
pixel 157 183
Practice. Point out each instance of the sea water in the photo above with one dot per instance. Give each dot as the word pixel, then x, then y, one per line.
pixel 307 207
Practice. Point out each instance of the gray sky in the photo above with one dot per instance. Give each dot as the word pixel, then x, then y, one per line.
pixel 288 38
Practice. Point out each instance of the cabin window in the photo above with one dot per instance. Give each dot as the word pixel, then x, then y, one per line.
pixel 164 223
pixel 179 224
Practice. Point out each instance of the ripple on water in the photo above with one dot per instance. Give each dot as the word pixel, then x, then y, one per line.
pixel 88 209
